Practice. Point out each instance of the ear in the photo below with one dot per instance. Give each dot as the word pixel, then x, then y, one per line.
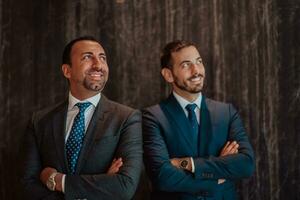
pixel 167 74
pixel 66 69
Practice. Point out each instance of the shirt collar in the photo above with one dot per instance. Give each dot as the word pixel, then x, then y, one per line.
pixel 73 100
pixel 183 102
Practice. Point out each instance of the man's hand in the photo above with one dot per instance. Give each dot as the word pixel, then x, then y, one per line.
pixel 115 166
pixel 176 163
pixel 45 174
pixel 229 148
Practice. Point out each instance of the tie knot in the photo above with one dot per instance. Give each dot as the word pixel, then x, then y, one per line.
pixel 191 107
pixel 83 106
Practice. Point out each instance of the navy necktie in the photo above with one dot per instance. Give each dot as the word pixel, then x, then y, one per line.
pixel 192 118
pixel 75 139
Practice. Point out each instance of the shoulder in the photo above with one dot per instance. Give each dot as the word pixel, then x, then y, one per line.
pixel 49 111
pixel 214 103
pixel 121 110
pixel 154 115
pixel 154 110
pixel 222 108
pixel 119 107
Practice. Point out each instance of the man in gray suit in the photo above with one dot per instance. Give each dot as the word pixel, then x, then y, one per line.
pixel 86 147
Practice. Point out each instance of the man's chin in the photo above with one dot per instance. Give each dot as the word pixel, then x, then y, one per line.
pixel 195 90
pixel 96 87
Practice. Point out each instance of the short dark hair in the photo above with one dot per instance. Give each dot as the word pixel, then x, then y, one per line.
pixel 66 57
pixel 166 57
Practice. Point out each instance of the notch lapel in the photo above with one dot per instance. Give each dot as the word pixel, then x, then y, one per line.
pixel 174 111
pixel 95 129
pixel 205 128
pixel 59 127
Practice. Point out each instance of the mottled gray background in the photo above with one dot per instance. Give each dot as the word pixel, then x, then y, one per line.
pixel 251 49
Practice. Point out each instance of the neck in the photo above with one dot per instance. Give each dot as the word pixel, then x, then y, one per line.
pixel 191 97
pixel 82 95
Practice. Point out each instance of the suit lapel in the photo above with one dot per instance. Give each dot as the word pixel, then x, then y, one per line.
pixel 174 111
pixel 59 124
pixel 95 129
pixel 205 128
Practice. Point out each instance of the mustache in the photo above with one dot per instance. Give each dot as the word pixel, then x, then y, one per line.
pixel 90 71
pixel 196 76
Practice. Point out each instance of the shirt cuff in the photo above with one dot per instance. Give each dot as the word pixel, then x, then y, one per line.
pixel 63 183
pixel 193 165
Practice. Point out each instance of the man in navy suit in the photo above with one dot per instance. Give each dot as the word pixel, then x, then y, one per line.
pixel 194 147
pixel 86 147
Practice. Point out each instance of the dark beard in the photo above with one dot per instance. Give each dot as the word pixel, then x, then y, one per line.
pixel 94 86
pixel 188 89
pixel 185 87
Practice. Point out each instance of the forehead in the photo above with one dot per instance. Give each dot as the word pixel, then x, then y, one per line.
pixel 189 53
pixel 86 46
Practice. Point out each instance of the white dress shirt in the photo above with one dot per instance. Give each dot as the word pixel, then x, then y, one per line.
pixel 183 103
pixel 71 114
pixel 74 110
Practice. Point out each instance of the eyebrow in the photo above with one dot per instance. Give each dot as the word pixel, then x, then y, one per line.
pixel 91 53
pixel 185 61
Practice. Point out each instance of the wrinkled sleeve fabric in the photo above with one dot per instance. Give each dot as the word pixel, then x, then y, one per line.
pixel 232 167
pixel 33 188
pixel 121 185
pixel 163 174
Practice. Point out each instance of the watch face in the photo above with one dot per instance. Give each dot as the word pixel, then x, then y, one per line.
pixel 184 163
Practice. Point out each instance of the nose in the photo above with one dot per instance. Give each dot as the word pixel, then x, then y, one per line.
pixel 97 63
pixel 198 69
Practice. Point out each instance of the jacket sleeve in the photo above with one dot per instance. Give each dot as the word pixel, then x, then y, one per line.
pixel 235 166
pixel 33 188
pixel 121 185
pixel 163 174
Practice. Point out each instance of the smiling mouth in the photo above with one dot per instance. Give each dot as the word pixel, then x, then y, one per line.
pixel 197 78
pixel 95 75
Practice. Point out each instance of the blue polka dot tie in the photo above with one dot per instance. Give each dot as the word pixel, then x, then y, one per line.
pixel 75 139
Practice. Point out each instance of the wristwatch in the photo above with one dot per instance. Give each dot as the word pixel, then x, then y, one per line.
pixel 184 164
pixel 51 181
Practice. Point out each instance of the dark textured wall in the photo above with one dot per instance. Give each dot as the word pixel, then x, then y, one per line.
pixel 251 49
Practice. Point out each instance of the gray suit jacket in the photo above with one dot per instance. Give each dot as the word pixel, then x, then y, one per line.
pixel 114 131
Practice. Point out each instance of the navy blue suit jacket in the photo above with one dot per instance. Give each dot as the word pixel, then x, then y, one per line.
pixel 166 132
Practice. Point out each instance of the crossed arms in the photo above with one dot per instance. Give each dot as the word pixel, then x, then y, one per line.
pixel 234 161
pixel 228 149
pixel 119 180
